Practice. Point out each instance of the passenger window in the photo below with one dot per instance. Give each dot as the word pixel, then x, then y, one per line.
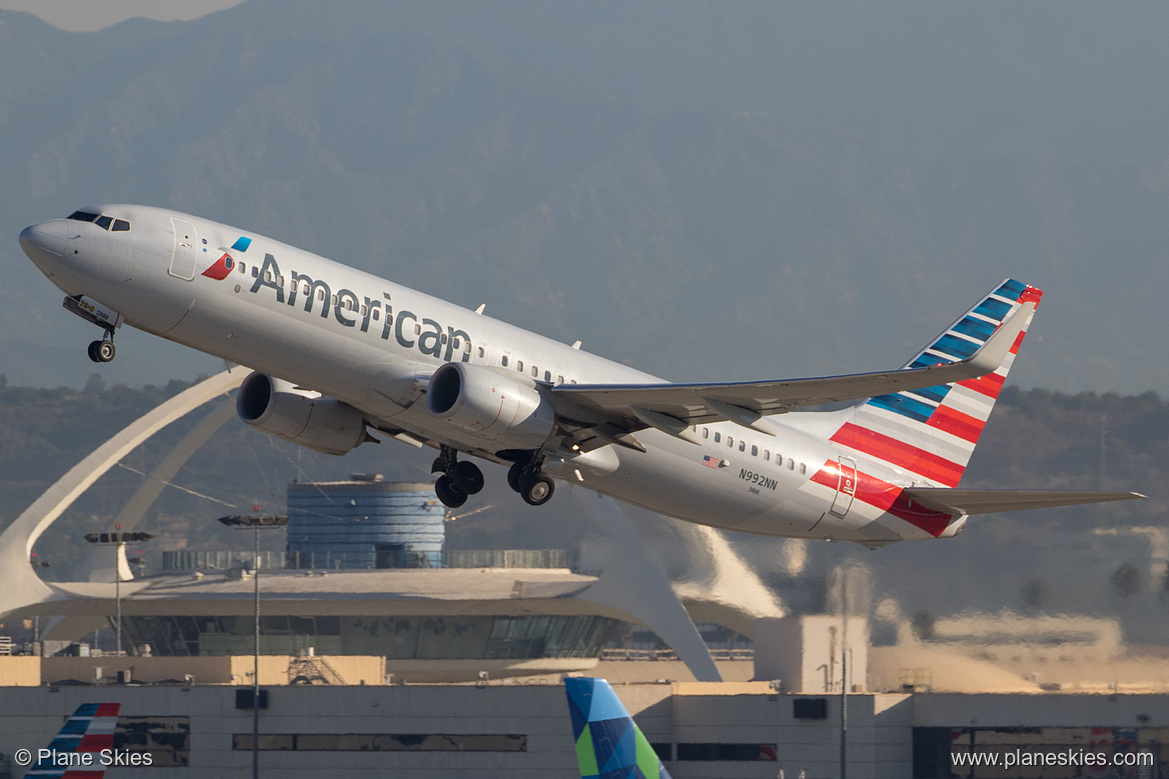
pixel 376 311
pixel 280 280
pixel 332 300
pixel 243 267
pixel 255 273
pixel 754 450
pixel 731 441
pixel 548 376
pixel 121 226
pixel 803 468
pixel 502 360
pixel 535 372
pixel 559 379
pixel 483 353
pixel 572 381
pixel 717 437
pixel 742 446
pixel 519 365
pixel 767 454
pixel 417 329
pixel 104 222
pixel 363 309
pixel 442 339
pixel 791 464
pixel 706 432
pixel 467 347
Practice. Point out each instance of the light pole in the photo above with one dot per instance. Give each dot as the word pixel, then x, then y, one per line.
pixel 118 541
pixel 255 523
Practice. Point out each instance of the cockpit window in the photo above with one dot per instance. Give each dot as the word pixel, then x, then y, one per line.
pixel 104 222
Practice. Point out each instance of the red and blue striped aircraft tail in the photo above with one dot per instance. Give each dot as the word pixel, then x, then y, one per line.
pixel 932 432
pixel 71 754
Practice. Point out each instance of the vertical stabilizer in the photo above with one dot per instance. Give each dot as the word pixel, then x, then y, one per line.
pixel 932 432
pixel 73 753
pixel 608 741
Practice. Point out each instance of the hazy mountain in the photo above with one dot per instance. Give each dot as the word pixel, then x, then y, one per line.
pixel 708 190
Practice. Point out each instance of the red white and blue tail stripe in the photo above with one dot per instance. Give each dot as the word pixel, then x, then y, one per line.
pixel 90 729
pixel 931 432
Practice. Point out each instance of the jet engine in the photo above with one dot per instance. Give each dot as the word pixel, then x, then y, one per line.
pixel 300 416
pixel 492 405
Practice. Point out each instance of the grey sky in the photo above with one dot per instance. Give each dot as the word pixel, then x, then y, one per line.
pixel 90 15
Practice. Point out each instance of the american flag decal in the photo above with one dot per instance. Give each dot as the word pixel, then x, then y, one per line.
pixel 711 462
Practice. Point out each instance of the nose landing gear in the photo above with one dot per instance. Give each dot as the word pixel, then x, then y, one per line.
pixel 103 350
pixel 105 318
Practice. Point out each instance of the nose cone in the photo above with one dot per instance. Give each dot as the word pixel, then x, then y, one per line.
pixel 44 244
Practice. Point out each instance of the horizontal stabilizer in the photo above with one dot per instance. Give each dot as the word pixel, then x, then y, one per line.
pixel 956 501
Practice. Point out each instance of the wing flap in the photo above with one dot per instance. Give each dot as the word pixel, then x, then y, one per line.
pixel 959 501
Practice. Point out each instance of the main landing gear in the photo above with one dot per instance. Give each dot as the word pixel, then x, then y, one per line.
pixel 458 480
pixel 525 477
pixel 462 479
pixel 103 350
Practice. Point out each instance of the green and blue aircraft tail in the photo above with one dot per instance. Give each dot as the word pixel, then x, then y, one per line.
pixel 609 745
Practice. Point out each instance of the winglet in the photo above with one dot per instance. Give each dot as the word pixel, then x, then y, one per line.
pixel 608 741
pixel 998 346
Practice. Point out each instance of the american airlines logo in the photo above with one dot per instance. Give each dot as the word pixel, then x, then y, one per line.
pixel 349 310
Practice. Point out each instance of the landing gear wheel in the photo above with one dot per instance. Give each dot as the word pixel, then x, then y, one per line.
pixel 514 474
pixel 450 495
pixel 466 477
pixel 537 489
pixel 102 351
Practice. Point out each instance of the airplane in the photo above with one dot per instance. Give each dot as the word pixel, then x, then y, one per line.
pixel 340 356
pixel 81 749
pixel 608 741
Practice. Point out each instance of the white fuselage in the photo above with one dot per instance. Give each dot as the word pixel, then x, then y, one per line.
pixel 361 339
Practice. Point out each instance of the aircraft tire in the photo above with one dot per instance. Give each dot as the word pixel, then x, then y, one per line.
pixel 93 351
pixel 467 478
pixel 536 490
pixel 450 495
pixel 105 351
pixel 514 475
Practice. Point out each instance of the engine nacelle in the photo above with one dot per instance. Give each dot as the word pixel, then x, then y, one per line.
pixel 302 417
pixel 491 405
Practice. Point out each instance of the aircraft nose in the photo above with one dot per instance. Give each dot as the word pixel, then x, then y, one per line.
pixel 44 244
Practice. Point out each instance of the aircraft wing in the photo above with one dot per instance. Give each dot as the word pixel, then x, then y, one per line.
pixel 959 501
pixel 618 409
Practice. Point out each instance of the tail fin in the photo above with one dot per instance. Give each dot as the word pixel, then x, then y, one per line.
pixel 89 730
pixel 932 432
pixel 608 741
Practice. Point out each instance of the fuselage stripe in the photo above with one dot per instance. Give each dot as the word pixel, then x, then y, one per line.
pixel 899 453
pixel 886 497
